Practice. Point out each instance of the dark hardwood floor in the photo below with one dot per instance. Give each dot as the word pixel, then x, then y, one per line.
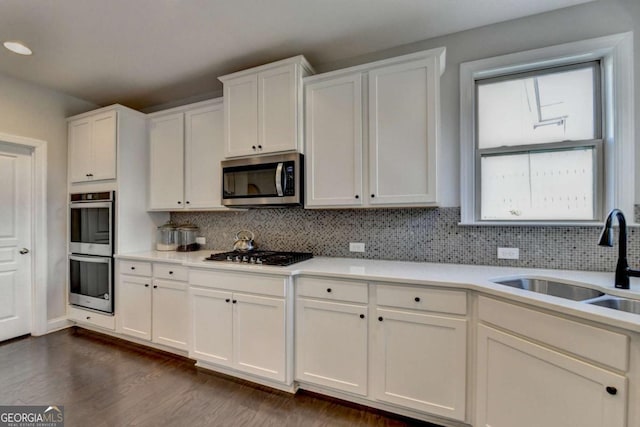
pixel 103 381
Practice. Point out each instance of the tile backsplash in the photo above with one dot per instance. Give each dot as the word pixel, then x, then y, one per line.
pixel 431 235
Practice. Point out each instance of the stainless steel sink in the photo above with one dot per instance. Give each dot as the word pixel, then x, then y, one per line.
pixel 551 287
pixel 622 304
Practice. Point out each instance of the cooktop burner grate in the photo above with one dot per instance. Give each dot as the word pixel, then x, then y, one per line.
pixel 280 259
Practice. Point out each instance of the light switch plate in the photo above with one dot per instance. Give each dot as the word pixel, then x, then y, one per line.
pixel 508 253
pixel 356 247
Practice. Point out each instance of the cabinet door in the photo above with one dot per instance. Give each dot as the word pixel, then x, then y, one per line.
pixel 334 142
pixel 211 326
pixel 104 142
pixel 259 336
pixel 79 150
pixel 204 150
pixel 331 345
pixel 526 385
pixel 241 116
pixel 419 362
pixel 166 145
pixel 134 306
pixel 170 313
pixel 403 102
pixel 278 106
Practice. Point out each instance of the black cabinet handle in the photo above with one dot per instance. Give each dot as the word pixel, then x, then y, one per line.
pixel 329 290
pixel 234 301
pixel 155 286
pixel 146 285
pixel 417 299
pixel 380 318
pixel 227 300
pixel 612 390
pixel 362 316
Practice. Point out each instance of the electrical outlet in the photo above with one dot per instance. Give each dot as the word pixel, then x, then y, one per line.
pixel 356 247
pixel 508 253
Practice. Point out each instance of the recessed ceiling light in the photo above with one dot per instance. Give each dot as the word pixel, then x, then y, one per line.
pixel 17 47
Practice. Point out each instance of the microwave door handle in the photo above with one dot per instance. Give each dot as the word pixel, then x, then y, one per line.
pixel 279 179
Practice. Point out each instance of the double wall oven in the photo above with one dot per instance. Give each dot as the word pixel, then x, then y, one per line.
pixel 91 250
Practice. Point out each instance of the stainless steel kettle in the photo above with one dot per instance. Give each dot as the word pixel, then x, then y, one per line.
pixel 244 241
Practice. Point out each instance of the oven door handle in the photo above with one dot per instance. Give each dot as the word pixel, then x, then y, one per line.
pixel 279 179
pixel 96 259
pixel 84 205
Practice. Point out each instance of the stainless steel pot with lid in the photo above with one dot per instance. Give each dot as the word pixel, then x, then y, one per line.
pixel 244 241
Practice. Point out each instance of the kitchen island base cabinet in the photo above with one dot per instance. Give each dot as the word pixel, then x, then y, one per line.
pixel 526 385
pixel 419 361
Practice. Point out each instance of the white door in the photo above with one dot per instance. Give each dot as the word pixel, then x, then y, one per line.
pixel 134 306
pixel 259 336
pixel 204 150
pixel 334 142
pixel 15 241
pixel 526 385
pixel 278 105
pixel 166 147
pixel 170 315
pixel 403 102
pixel 211 326
pixel 420 362
pixel 331 344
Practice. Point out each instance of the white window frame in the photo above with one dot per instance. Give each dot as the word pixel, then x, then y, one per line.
pixel 616 54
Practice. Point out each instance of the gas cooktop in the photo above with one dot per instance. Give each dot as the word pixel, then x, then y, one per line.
pixel 261 257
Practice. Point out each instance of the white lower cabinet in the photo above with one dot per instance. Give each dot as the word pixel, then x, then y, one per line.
pixel 233 326
pixel 331 344
pixel 527 385
pixel 152 308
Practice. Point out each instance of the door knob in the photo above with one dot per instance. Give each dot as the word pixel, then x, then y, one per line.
pixel 24 251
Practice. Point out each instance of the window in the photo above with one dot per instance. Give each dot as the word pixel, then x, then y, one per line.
pixel 539 145
pixel 547 135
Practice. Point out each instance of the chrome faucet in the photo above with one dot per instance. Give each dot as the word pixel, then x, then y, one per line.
pixel 623 272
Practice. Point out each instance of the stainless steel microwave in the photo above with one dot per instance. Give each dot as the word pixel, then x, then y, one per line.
pixel 266 181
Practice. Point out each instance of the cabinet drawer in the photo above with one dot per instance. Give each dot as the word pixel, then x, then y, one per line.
pixel 92 318
pixel 600 345
pixel 420 298
pixel 135 268
pixel 239 282
pixel 337 290
pixel 170 272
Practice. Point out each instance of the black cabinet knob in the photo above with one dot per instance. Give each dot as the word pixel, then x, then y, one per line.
pixel 362 316
pixel 188 202
pixel 155 286
pixel 253 146
pixel 171 272
pixel 234 301
pixel 146 285
pixel 373 195
pixel 88 317
pixel 133 268
pixel 227 300
pixel 357 197
pixel 380 318
pixel 612 390
pixel 329 290
pixel 179 202
pixel 259 147
pixel 417 299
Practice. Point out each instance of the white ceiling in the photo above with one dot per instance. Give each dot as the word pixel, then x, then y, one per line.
pixel 147 52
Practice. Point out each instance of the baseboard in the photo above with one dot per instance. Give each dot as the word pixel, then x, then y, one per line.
pixel 58 324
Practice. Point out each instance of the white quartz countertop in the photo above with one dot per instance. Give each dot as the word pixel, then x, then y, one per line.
pixel 472 277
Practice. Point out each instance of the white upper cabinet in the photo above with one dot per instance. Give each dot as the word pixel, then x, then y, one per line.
pixel 333 135
pixel 371 133
pixel 263 108
pixel 186 147
pixel 92 147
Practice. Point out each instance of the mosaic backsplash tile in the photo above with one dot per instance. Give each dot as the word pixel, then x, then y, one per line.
pixel 428 235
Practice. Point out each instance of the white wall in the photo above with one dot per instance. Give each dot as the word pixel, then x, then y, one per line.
pixel 36 112
pixel 581 22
